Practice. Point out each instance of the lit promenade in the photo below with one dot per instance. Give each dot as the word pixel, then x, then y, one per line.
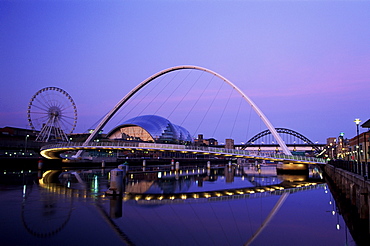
pixel 52 151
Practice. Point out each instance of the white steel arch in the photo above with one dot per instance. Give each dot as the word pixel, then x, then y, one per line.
pixel 105 120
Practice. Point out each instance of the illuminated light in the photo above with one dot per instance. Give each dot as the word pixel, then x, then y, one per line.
pixel 229 193
pixel 183 197
pixel 330 202
pixel 218 194
pixel 24 190
pixel 251 191
pixel 338 227
pixel 207 195
pixel 148 198
pixel 160 198
pixel 172 197
pixel 195 196
pixel 240 192
pixel 137 198
pixel 333 212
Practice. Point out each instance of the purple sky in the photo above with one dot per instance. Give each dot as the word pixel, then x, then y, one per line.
pixel 306 64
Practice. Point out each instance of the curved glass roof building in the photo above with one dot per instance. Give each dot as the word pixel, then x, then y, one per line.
pixel 150 128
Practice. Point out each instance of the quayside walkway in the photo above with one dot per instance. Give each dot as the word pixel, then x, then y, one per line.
pixel 349 182
pixel 53 151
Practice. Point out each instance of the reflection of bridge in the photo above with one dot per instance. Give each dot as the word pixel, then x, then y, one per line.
pixel 52 151
pixel 145 199
pixel 198 196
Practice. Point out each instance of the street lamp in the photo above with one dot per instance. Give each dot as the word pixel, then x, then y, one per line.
pixel 357 121
pixel 25 144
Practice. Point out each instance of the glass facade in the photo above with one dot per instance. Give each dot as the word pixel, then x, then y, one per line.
pixel 150 128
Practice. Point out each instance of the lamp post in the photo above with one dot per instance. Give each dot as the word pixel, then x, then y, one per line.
pixel 357 121
pixel 25 144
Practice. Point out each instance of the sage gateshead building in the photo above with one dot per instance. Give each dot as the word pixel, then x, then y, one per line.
pixel 150 128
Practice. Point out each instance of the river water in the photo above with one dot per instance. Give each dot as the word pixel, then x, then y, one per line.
pixel 194 206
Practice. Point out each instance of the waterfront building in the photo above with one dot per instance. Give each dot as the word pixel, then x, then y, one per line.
pixel 229 143
pixel 360 153
pixel 201 141
pixel 356 148
pixel 150 128
pixel 18 142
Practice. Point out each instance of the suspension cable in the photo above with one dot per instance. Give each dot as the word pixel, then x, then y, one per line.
pixel 223 111
pixel 213 100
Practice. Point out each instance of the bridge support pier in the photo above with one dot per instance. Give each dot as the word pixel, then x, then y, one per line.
pixel 291 167
pixel 116 182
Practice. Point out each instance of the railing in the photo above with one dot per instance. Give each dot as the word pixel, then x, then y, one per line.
pixel 361 169
pixel 189 148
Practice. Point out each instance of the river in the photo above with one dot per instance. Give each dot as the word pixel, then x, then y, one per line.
pixel 197 206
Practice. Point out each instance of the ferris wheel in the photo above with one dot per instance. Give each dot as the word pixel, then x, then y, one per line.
pixel 53 113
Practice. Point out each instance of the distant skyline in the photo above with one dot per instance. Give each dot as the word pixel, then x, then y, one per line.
pixel 306 64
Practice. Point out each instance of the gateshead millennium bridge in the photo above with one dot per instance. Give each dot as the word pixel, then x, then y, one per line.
pixel 53 151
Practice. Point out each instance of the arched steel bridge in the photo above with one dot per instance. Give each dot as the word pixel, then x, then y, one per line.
pixel 305 140
pixel 53 151
pixel 114 110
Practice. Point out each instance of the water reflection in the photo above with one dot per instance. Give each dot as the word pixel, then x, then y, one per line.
pixel 221 206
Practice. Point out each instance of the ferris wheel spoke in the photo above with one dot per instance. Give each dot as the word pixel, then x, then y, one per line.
pixel 69 117
pixel 42 107
pixel 40 116
pixel 43 118
pixel 38 113
pixel 66 108
pixel 46 97
pixel 43 101
pixel 66 124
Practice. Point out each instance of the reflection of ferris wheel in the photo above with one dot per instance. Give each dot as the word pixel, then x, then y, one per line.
pixel 53 112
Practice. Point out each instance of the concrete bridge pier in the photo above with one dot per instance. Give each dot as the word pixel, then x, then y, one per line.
pixel 116 181
pixel 291 167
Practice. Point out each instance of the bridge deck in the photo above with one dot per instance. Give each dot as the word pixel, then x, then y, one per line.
pixel 52 151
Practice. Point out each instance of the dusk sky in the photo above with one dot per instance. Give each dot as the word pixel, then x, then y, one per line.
pixel 306 64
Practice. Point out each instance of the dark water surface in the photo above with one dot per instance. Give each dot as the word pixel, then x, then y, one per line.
pixel 74 210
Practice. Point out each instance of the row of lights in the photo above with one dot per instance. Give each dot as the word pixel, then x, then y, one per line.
pixel 215 194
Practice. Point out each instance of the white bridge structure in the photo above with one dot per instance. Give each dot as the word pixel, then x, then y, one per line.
pixel 51 151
